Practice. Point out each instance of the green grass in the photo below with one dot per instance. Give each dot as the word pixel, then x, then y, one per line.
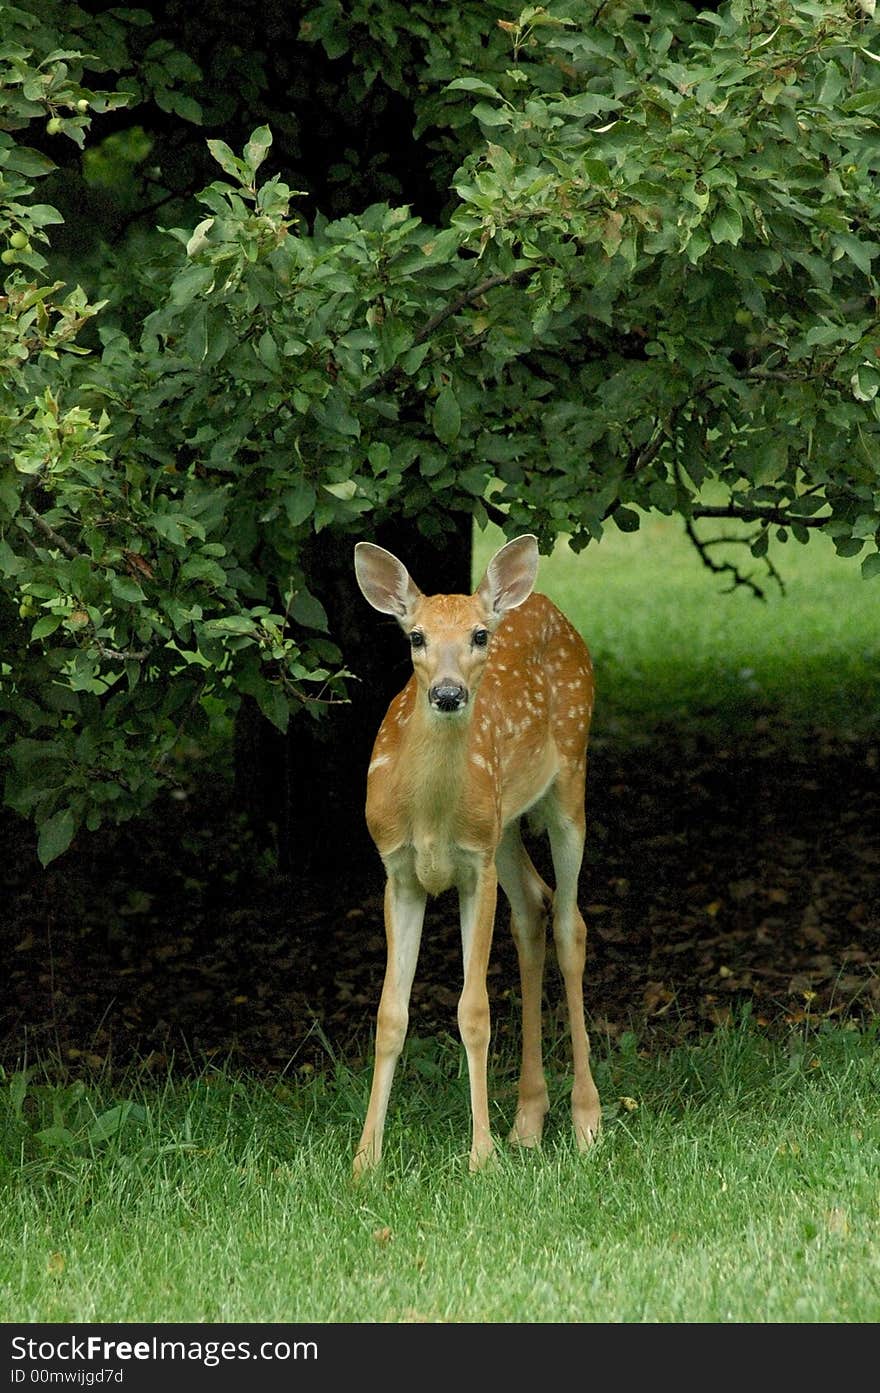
pixel 670 646
pixel 741 1188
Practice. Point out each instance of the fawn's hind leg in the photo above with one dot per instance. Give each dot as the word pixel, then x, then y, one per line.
pixel 566 828
pixel 530 900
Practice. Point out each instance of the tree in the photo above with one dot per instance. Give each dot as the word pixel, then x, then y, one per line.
pixel 652 288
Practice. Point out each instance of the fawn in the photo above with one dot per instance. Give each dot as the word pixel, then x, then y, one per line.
pixel 492 724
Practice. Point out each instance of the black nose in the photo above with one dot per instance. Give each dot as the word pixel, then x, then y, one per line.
pixel 448 696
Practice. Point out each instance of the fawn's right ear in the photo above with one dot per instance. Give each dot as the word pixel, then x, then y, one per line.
pixel 384 581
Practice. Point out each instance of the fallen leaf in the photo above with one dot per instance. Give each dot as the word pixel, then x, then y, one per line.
pixel 656 997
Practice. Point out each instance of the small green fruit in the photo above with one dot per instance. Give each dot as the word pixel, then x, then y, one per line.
pixel 82 104
pixel 19 240
pixel 53 125
pixel 9 257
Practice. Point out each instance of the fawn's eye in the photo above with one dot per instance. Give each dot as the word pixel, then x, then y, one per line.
pixel 416 639
pixel 480 638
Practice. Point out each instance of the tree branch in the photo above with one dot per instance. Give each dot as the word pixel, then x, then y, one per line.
pixel 49 532
pixel 702 545
pixel 764 515
pixel 120 655
pixel 467 297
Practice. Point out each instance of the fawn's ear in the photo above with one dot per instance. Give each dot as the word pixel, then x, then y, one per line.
pixel 510 575
pixel 385 582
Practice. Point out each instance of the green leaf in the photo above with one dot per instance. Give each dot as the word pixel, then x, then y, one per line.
pixel 127 589
pixel 23 160
pixel 490 115
pixel 190 283
pixel 55 1136
pixel 10 564
pixel 257 148
pixel 43 214
pixel 848 546
pixel 56 834
pixel 473 84
pixel 274 705
pixel 231 624
pixel 228 162
pixel 860 253
pixel 697 246
pixel 108 1123
pixel 187 108
pixel 871 565
pixel 308 610
pixel 203 568
pixel 175 527
pixel 45 626
pixel 299 503
pixel 446 416
pixel 268 352
pixel 627 519
pixel 726 226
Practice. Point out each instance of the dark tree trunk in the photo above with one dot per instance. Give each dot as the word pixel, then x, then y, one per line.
pixel 310 785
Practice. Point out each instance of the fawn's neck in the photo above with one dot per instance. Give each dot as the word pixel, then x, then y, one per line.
pixel 435 757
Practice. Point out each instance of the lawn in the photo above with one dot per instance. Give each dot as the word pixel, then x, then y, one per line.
pixel 735 1182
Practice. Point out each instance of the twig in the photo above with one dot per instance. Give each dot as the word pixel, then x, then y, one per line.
pixel 764 515
pixel 121 655
pixel 721 567
pixel 306 700
pixel 49 532
pixel 771 569
pixel 467 297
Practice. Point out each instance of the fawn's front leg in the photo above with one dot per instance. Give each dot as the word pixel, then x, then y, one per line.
pixel 477 899
pixel 404 915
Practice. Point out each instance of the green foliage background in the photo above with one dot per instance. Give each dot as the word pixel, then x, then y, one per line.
pixel 647 281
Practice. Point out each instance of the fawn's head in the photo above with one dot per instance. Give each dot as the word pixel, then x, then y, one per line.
pixel 449 635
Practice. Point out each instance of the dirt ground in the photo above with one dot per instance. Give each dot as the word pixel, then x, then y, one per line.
pixel 717 875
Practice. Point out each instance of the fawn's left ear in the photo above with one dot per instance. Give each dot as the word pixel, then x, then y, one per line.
pixel 510 575
pixel 384 581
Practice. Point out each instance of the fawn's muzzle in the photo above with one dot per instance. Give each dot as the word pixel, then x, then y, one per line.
pixel 448 696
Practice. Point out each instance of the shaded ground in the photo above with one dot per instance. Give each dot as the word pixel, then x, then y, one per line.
pixel 716 876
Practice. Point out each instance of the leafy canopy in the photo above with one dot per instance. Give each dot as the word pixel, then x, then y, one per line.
pixel 655 289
